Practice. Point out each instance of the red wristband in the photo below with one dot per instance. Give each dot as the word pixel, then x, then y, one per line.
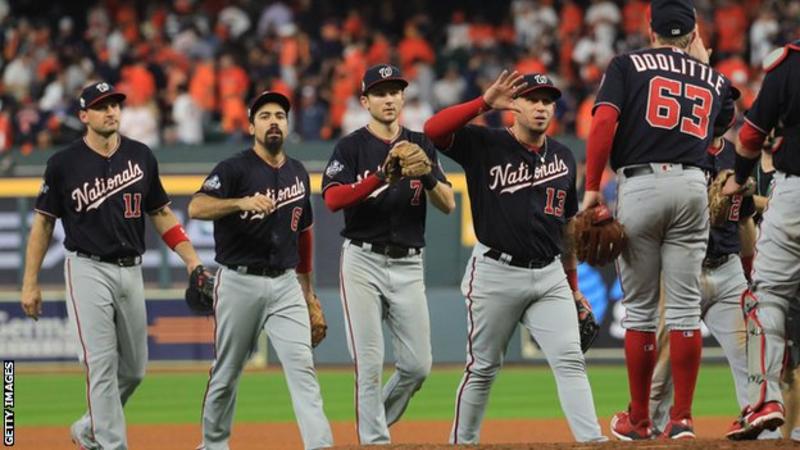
pixel 174 236
pixel 572 279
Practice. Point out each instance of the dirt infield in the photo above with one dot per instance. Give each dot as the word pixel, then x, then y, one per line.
pixel 497 434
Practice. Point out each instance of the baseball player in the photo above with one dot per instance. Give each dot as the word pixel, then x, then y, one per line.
pixel 523 269
pixel 726 266
pixel 654 115
pixel 99 187
pixel 259 200
pixel 776 274
pixel 381 270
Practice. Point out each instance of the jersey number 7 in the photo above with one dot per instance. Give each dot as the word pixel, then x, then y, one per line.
pixel 664 110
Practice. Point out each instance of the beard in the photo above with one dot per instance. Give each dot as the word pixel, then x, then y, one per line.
pixel 273 143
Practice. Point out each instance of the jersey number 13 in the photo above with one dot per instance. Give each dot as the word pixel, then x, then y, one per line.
pixel 664 110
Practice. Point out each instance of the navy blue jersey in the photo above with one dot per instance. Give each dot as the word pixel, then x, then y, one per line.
pixel 668 103
pixel 778 103
pixel 100 199
pixel 724 240
pixel 519 202
pixel 258 239
pixel 392 213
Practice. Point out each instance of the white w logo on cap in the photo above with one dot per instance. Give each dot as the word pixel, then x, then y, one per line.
pixel 385 72
pixel 103 87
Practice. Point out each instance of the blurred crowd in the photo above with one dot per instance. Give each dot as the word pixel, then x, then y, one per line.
pixel 190 66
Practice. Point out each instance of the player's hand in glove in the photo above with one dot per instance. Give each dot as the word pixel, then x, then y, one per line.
pixel 599 238
pixel 588 329
pixel 200 293
pixel 719 203
pixel 319 326
pixel 411 159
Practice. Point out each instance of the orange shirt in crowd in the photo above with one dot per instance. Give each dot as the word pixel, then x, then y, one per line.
pixel 412 50
pixel 634 17
pixel 202 86
pixel 380 51
pixel 140 83
pixel 506 34
pixel 234 115
pixel 735 69
pixel 47 66
pixel 6 132
pixel 571 20
pixel 355 62
pixel 731 25
pixel 530 64
pixel 481 34
pixel 583 117
pixel 341 90
pixel 233 82
pixel 289 52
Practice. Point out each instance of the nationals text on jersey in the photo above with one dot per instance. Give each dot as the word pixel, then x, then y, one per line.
pixel 512 180
pixel 94 196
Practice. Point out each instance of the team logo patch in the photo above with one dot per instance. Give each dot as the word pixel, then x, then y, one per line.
pixel 212 183
pixel 334 168
pixel 541 79
pixel 103 87
pixel 385 71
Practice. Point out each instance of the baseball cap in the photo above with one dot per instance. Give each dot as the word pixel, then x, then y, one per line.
pixel 97 92
pixel 268 97
pixel 539 81
pixel 381 73
pixel 671 18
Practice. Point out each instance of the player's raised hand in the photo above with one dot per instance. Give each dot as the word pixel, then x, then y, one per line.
pixel 501 94
pixel 697 49
pixel 592 198
pixel 31 300
pixel 257 203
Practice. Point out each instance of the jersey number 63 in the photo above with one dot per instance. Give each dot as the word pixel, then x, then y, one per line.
pixel 664 110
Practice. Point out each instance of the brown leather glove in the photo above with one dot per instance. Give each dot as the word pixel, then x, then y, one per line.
pixel 319 326
pixel 599 238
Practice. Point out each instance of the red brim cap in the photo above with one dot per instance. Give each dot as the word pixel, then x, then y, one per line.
pixel 556 91
pixel 403 83
pixel 120 97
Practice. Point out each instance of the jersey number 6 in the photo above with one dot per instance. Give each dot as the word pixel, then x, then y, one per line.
pixel 664 110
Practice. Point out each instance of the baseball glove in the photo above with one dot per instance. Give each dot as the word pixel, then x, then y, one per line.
pixel 411 159
pixel 319 326
pixel 719 205
pixel 599 238
pixel 587 325
pixel 200 293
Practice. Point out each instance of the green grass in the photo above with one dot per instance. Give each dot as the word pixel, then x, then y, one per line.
pixel 518 392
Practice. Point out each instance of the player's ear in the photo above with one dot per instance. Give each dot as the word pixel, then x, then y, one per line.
pixel 252 128
pixel 364 101
pixel 83 116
